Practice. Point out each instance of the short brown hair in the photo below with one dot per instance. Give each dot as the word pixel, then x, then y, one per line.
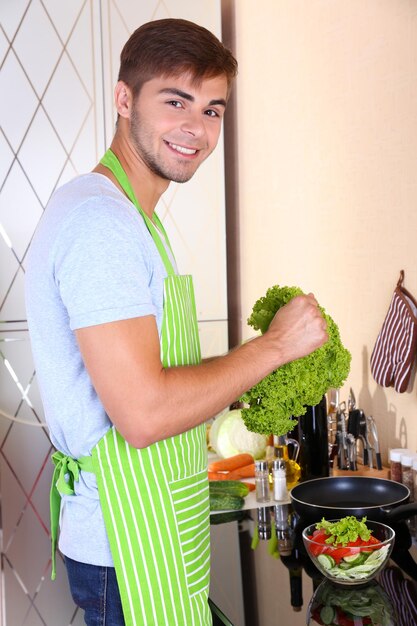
pixel 170 47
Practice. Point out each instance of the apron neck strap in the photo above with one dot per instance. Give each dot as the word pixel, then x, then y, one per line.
pixel 111 161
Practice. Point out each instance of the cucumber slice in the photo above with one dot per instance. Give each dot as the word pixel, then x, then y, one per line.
pixel 327 614
pixel 377 555
pixel 356 559
pixel 326 561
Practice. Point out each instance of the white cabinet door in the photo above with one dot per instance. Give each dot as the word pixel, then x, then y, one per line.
pixel 193 213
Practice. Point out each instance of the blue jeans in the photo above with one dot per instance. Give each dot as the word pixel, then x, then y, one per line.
pixel 94 589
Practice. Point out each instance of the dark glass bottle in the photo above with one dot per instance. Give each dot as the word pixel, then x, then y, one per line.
pixel 314 441
pixel 291 562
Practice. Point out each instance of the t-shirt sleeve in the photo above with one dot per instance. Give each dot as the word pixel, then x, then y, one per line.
pixel 103 265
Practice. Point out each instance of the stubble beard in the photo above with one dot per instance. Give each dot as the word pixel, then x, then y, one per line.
pixel 179 175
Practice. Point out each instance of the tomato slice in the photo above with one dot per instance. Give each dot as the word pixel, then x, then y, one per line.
pixel 338 553
pixel 316 615
pixel 316 548
pixel 371 543
pixel 344 620
pixel 358 542
pixel 320 546
pixel 320 535
pixel 372 540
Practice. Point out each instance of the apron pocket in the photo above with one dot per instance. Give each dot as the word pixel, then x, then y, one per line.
pixel 191 504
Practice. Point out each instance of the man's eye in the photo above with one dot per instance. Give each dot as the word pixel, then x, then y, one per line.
pixel 212 113
pixel 175 103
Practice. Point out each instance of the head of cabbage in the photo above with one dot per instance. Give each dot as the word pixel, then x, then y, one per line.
pixel 229 436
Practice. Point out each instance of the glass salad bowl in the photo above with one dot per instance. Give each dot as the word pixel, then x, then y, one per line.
pixel 358 606
pixel 355 563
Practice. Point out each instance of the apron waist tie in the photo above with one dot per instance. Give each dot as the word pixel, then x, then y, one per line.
pixel 66 472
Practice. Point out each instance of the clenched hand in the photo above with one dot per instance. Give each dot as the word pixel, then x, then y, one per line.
pixel 297 329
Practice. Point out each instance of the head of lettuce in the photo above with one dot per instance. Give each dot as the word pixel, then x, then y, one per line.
pixel 288 390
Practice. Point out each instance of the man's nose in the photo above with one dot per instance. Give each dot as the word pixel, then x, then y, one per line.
pixel 193 124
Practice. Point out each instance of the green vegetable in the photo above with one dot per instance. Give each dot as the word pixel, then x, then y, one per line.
pixel 229 436
pixel 227 516
pixel 255 539
pixel 345 530
pixel 273 543
pixel 327 614
pixel 228 487
pixel 326 561
pixel 356 559
pixel 288 390
pixel 222 501
pixel 346 572
pixel 370 601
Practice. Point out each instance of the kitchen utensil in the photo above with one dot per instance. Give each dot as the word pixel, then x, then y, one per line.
pixel 368 444
pixel 351 400
pixel 364 435
pixel 341 438
pixel 358 427
pixel 354 565
pixel 353 429
pixel 378 499
pixel 333 403
pixel 332 406
pixel 351 446
pixel 374 433
pixel 353 423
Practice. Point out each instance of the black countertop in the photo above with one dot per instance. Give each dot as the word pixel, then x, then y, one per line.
pixel 389 600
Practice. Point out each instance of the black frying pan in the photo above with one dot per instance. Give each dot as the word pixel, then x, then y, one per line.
pixel 337 496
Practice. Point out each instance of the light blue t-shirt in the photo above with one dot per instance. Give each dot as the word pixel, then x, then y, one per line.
pixel 91 261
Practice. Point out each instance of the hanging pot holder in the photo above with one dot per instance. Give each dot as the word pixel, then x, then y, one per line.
pixel 394 352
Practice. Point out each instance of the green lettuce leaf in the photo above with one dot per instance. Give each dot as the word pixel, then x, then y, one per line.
pixel 345 530
pixel 287 391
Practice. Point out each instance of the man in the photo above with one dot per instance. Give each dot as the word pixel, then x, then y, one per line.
pixel 115 343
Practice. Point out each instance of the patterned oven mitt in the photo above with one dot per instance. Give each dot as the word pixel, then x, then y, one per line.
pixel 394 352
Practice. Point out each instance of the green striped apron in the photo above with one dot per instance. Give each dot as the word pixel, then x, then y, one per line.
pixel 155 500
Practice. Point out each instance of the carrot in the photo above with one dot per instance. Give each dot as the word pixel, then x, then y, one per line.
pixel 218 475
pixel 250 486
pixel 231 463
pixel 247 471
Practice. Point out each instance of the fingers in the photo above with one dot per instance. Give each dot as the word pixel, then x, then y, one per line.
pixel 299 327
pixel 312 297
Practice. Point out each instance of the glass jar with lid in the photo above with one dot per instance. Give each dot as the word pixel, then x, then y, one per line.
pixel 395 462
pixel 407 460
pixel 262 481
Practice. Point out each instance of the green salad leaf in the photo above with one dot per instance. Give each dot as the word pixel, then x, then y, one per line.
pixel 284 394
pixel 345 530
pixel 370 601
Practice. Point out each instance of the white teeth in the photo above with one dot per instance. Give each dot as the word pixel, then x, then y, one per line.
pixel 182 149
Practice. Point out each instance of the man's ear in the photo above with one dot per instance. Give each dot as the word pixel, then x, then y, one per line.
pixel 123 99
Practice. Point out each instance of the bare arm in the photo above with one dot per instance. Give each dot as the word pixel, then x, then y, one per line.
pixel 147 402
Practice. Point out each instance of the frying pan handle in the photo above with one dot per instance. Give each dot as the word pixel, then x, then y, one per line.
pixel 404 560
pixel 400 513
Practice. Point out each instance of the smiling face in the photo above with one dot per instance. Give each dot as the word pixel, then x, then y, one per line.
pixel 175 124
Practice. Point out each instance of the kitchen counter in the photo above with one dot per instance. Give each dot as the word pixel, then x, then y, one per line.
pixel 281 585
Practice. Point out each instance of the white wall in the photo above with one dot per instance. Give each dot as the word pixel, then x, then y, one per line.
pixel 327 135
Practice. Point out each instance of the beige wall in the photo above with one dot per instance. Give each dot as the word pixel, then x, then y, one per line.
pixel 327 134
